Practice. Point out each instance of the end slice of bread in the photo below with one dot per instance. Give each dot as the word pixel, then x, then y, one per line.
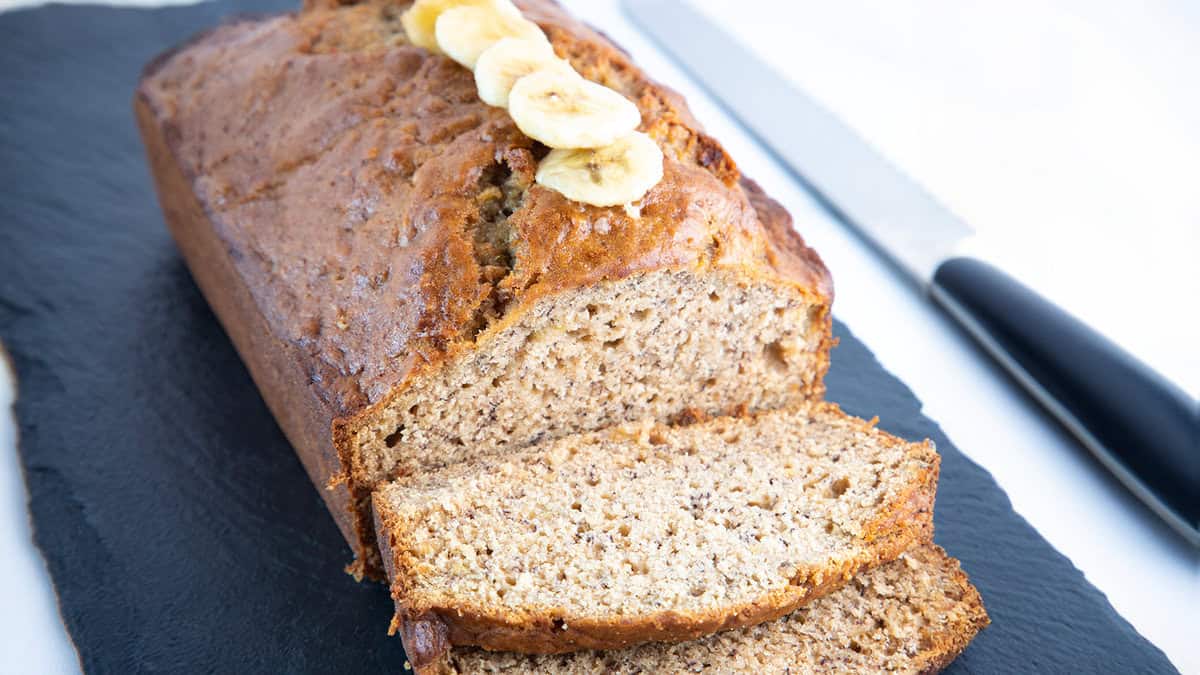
pixel 913 615
pixel 649 533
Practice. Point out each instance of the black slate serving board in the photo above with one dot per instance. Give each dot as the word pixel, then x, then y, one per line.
pixel 181 532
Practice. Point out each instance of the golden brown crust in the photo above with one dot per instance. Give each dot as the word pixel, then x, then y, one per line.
pixel 944 646
pixel 274 366
pixel 322 177
pixel 788 250
pixel 904 522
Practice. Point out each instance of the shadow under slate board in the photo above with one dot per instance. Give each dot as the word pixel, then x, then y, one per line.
pixel 180 531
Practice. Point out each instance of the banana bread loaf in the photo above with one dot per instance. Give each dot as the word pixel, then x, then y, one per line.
pixel 406 296
pixel 914 615
pixel 645 533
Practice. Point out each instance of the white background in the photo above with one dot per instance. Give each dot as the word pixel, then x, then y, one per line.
pixel 1068 134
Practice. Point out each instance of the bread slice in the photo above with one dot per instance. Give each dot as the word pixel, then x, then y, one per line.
pixel 650 533
pixel 914 615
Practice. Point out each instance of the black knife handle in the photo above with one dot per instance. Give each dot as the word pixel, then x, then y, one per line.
pixel 1142 427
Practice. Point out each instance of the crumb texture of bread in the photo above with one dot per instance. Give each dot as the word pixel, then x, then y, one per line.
pixel 913 615
pixel 647 346
pixel 391 251
pixel 649 532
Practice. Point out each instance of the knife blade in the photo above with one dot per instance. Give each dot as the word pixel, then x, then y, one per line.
pixel 1140 426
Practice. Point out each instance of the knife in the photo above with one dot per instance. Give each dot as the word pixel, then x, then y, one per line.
pixel 1140 426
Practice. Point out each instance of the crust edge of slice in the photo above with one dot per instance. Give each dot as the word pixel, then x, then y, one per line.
pixel 939 645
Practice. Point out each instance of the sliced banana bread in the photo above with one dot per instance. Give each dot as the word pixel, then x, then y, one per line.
pixel 404 293
pixel 647 532
pixel 914 615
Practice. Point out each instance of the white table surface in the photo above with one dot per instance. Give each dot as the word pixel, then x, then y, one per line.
pixel 1066 135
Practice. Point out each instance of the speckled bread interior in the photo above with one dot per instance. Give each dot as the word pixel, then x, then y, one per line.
pixel 647 346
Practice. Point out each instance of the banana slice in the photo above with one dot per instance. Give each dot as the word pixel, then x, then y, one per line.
pixel 501 65
pixel 563 110
pixel 615 174
pixel 420 20
pixel 463 33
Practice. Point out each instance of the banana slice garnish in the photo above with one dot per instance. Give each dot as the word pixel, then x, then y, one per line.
pixel 420 19
pixel 597 158
pixel 501 65
pixel 618 173
pixel 464 33
pixel 563 110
